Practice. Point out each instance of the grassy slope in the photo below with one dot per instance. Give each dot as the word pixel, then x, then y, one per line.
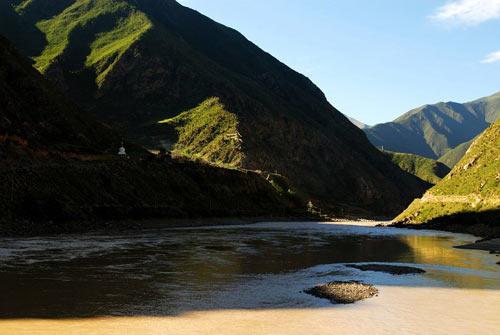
pixel 37 117
pixel 453 156
pixel 432 130
pixel 473 186
pixel 211 128
pixel 168 59
pixel 55 178
pixel 424 168
pixel 107 47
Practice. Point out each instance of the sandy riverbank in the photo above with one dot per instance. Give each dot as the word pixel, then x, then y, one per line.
pixel 397 310
pixel 405 304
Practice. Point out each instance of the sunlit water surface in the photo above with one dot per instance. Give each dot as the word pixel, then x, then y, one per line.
pixel 234 279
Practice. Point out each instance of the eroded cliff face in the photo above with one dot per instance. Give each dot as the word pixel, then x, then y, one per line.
pixel 165 59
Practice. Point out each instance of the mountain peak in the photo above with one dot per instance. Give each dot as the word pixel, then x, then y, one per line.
pixel 434 129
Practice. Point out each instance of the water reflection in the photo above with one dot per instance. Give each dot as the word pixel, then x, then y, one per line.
pixel 161 272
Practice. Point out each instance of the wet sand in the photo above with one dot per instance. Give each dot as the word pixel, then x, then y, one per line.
pixel 397 310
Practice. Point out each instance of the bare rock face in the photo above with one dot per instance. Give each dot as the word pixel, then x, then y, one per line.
pixel 344 292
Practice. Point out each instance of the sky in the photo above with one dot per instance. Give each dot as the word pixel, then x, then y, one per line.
pixel 376 59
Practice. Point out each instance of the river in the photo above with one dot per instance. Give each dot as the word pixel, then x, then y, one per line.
pixel 244 280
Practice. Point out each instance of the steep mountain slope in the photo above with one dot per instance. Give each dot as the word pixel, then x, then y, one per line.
pixel 55 175
pixel 53 197
pixel 453 156
pixel 35 118
pixel 424 168
pixel 470 193
pixel 432 130
pixel 135 63
pixel 357 123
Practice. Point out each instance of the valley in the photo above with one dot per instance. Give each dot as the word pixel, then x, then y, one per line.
pixel 164 173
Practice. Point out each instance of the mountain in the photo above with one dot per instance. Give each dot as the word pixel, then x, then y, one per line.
pixel 357 123
pixel 424 168
pixel 170 76
pixel 36 119
pixel 57 173
pixel 432 130
pixel 453 156
pixel 470 193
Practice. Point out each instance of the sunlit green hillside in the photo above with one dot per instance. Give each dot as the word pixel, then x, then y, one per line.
pixel 470 189
pixel 424 168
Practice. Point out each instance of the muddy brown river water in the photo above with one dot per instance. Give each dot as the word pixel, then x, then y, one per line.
pixel 244 280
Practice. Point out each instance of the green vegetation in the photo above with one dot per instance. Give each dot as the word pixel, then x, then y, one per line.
pixel 35 117
pixel 473 186
pixel 453 156
pixel 108 46
pixel 208 132
pixel 134 63
pixel 432 130
pixel 424 168
pixel 57 173
pixel 23 5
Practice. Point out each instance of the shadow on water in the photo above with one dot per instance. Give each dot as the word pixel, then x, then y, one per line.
pixel 156 273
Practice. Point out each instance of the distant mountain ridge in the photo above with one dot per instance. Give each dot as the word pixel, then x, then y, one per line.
pixel 432 130
pixel 136 63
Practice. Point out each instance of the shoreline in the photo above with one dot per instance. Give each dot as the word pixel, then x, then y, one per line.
pixel 486 244
pixel 404 302
pixel 486 241
pixel 74 227
pixel 491 245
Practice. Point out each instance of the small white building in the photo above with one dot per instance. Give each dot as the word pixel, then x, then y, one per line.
pixel 121 151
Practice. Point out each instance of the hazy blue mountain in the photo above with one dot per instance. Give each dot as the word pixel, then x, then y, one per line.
pixel 432 130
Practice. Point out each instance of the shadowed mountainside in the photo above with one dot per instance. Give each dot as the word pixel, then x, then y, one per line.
pixel 35 118
pixel 358 123
pixel 136 63
pixel 55 197
pixel 424 168
pixel 56 174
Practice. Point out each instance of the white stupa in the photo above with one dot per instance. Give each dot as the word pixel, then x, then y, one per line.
pixel 121 151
